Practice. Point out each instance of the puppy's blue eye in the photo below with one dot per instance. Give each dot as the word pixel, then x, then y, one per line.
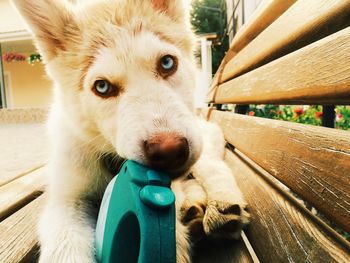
pixel 167 65
pixel 102 86
pixel 167 62
pixel 105 89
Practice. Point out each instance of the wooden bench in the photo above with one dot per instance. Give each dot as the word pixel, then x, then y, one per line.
pixel 291 52
pixel 22 180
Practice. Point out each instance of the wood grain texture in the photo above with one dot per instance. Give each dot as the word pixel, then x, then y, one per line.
pixel 303 23
pixel 18 233
pixel 19 192
pixel 313 161
pixel 316 74
pixel 266 14
pixel 280 230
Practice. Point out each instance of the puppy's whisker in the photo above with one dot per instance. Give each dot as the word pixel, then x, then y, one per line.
pixel 88 143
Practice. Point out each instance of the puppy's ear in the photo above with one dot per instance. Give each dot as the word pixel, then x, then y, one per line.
pixel 51 21
pixel 174 8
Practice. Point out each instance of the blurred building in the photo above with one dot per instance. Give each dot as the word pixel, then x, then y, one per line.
pixel 22 84
pixel 238 13
pixel 204 72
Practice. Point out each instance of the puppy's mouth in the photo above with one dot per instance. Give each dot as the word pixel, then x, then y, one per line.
pixel 114 163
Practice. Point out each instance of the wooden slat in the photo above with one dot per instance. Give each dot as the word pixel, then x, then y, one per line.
pixel 316 74
pixel 18 233
pixel 19 192
pixel 313 161
pixel 264 16
pixel 280 229
pixel 303 23
pixel 266 13
pixel 24 148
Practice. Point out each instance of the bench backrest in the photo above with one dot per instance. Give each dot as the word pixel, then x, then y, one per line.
pixel 290 52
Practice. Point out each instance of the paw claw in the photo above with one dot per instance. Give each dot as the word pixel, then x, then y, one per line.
pixel 191 213
pixel 231 209
pixel 192 217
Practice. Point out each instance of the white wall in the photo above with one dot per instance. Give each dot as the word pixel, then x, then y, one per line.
pixel 204 74
pixel 12 26
pixel 249 7
pixel 9 18
pixel 241 18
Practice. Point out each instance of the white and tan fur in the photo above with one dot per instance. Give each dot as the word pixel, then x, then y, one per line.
pixel 122 40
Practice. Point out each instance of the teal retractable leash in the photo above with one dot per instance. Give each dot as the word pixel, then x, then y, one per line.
pixel 136 222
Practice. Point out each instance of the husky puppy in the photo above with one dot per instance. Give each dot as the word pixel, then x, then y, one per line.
pixel 124 74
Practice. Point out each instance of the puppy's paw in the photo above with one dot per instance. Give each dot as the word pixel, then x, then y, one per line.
pixel 192 217
pixel 225 220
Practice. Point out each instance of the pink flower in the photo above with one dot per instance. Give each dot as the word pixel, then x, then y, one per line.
pixel 338 117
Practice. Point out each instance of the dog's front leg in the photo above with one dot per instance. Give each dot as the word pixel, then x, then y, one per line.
pixel 225 213
pixel 66 234
pixel 66 227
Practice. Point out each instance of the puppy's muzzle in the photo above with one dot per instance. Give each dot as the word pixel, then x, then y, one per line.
pixel 166 151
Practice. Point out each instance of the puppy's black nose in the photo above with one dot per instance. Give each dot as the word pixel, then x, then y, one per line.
pixel 166 151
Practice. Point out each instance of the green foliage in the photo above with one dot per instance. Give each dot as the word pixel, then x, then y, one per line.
pixel 206 20
pixel 301 114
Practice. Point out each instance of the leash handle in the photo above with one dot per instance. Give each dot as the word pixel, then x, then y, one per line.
pixel 136 222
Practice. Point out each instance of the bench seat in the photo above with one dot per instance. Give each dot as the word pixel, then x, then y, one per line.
pixel 295 177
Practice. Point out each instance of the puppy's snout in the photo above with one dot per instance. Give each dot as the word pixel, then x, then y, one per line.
pixel 166 151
